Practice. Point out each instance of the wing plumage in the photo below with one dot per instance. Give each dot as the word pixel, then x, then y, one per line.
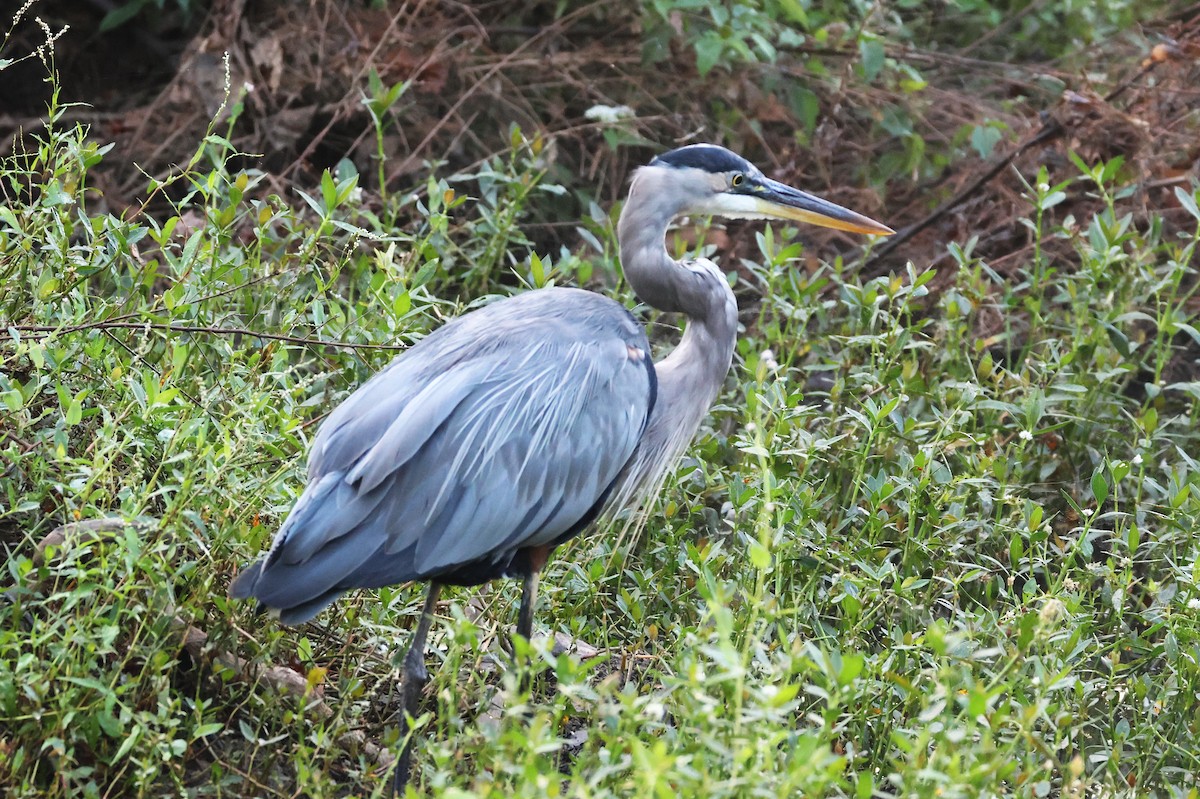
pixel 500 431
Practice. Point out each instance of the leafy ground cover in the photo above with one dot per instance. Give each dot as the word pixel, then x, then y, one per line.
pixel 938 538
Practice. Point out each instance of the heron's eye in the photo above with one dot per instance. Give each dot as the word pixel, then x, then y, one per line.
pixel 737 180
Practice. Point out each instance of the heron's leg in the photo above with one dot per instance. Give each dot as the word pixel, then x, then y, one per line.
pixel 525 627
pixel 413 682
pixel 528 601
pixel 536 559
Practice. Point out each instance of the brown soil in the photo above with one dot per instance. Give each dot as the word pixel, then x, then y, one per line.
pixel 298 72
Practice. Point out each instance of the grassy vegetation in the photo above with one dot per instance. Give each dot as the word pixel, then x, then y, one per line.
pixel 930 543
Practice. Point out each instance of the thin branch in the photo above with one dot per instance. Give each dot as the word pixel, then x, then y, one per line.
pixel 44 331
pixel 1051 129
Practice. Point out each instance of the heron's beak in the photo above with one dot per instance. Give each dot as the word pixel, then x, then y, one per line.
pixel 775 200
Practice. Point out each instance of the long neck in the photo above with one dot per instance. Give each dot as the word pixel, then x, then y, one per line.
pixel 655 277
pixel 690 377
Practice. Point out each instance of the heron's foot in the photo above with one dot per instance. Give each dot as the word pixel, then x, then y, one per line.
pixel 524 660
pixel 411 687
pixel 508 644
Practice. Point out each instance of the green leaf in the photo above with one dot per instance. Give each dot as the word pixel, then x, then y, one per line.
pixel 1025 629
pixel 1188 201
pixel 806 105
pixel 135 734
pixel 760 557
pixel 984 139
pixel 121 14
pixel 794 12
pixel 785 694
pixel 313 204
pixel 329 191
pixel 709 48
pixel 852 666
pixel 1190 330
pixel 13 400
pixel 873 57
pixel 204 730
pixel 1099 485
pixel 1035 516
pixel 74 412
pixel 537 270
pixel 1119 340
pixel 1052 199
pixel 1016 548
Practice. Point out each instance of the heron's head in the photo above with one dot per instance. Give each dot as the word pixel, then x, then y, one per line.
pixel 704 179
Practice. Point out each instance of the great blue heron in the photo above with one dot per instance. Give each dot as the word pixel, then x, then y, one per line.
pixel 510 429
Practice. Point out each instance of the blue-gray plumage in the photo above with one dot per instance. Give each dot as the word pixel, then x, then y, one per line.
pixel 466 450
pixel 510 429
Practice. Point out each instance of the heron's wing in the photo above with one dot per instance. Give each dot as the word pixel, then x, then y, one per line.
pixel 508 445
pixel 521 459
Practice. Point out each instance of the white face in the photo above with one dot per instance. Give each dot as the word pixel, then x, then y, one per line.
pixel 735 206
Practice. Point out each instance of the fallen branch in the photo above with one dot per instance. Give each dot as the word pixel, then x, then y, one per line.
pixel 281 678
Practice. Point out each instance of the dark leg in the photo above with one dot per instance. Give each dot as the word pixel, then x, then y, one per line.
pixel 413 682
pixel 525 626
pixel 528 600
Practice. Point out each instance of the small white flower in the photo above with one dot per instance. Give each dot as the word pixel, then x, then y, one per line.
pixel 1025 435
pixel 1088 511
pixel 768 359
pixel 1043 188
pixel 1194 603
pixel 247 87
pixel 1137 459
pixel 609 113
pixel 653 711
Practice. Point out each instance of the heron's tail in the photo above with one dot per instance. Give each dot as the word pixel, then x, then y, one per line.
pixel 243 586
